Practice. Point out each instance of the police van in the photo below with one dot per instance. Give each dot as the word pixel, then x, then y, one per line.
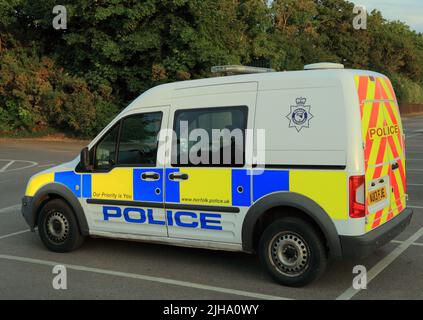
pixel 321 174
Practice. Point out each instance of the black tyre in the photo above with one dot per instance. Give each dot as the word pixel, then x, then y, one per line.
pixel 58 227
pixel 292 252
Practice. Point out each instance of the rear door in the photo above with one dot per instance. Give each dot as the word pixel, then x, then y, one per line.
pixel 396 148
pixel 383 143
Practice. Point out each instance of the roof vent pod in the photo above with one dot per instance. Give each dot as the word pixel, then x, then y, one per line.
pixel 323 66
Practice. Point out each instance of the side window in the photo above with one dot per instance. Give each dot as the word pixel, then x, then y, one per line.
pixel 212 137
pixel 138 141
pixel 105 155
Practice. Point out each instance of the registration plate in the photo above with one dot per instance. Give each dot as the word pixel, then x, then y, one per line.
pixel 377 195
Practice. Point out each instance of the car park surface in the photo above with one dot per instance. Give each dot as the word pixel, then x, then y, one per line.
pixel 110 269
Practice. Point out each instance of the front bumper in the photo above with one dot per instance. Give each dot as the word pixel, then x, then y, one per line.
pixel 28 212
pixel 362 246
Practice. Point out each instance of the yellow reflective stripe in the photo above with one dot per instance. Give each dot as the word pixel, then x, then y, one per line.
pixel 357 81
pixel 371 217
pixel 327 188
pixel 365 122
pixel 114 185
pixel 401 187
pixel 385 215
pixel 371 90
pixel 386 211
pixel 206 186
pixel 372 161
pixel 399 148
pixel 397 142
pixel 370 221
pixel 37 182
pixel 386 88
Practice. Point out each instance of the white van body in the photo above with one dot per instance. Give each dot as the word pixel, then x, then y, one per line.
pixel 322 129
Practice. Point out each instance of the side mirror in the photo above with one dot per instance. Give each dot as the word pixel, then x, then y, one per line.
pixel 85 159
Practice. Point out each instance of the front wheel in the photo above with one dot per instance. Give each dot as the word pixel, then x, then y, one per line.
pixel 292 252
pixel 58 227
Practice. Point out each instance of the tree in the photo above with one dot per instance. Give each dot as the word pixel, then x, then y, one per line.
pixel 337 35
pixel 113 50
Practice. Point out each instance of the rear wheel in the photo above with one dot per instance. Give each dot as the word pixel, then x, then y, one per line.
pixel 292 252
pixel 58 227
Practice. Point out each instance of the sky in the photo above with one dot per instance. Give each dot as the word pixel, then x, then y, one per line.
pixel 408 11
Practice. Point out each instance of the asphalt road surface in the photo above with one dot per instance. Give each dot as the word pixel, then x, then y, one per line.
pixel 110 269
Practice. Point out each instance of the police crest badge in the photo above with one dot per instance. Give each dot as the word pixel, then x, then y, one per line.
pixel 300 115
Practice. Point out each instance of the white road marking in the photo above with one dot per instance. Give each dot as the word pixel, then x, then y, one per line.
pixel 415 184
pixel 10 162
pixel 14 234
pixel 11 208
pixel 415 170
pixel 7 165
pixel 414 244
pixel 168 281
pixel 413 135
pixel 382 264
pixel 414 159
pixel 415 207
pixel 4 181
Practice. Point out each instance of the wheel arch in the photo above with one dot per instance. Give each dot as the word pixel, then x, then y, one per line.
pixel 308 208
pixel 58 191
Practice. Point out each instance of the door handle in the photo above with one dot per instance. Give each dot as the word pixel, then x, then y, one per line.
pixel 178 176
pixel 395 166
pixel 150 176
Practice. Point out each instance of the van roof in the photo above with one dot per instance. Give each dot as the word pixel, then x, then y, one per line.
pixel 161 95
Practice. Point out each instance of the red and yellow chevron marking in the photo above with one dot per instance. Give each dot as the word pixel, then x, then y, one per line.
pixel 383 141
pixel 396 149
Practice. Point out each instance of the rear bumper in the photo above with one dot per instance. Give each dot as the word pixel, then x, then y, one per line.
pixel 362 246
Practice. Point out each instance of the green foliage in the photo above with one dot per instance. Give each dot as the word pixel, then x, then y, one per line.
pixel 77 79
pixel 407 90
pixel 35 95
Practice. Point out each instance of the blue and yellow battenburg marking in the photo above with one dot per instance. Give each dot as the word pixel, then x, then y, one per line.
pixel 205 186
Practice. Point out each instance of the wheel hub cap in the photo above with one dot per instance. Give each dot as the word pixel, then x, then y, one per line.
pixel 290 253
pixel 57 227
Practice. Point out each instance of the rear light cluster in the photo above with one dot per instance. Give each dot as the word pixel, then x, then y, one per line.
pixel 357 197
